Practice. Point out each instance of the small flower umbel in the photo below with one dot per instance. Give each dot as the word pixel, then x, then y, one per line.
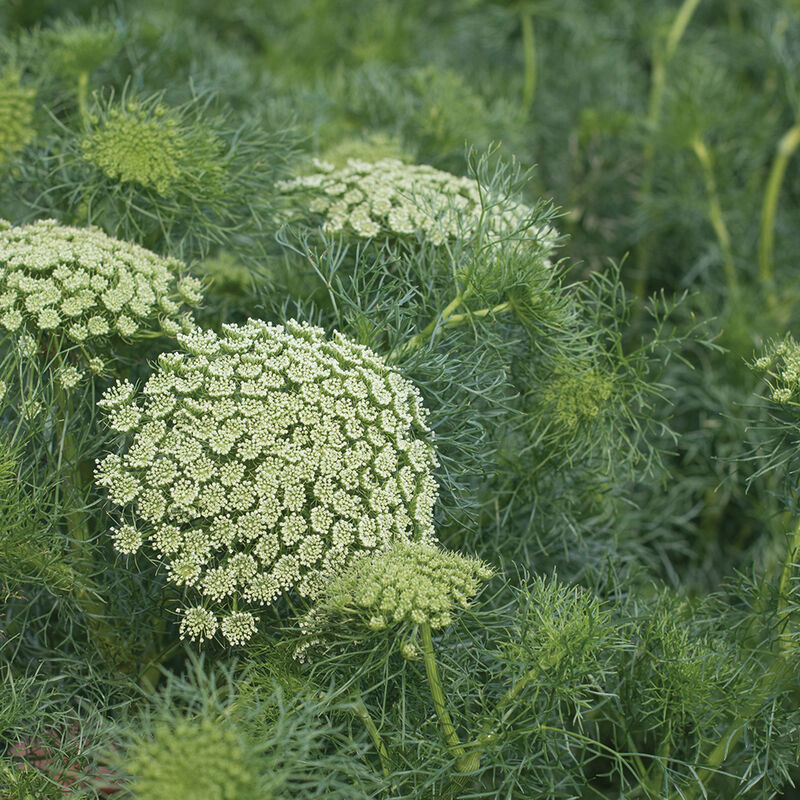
pixel 389 200
pixel 413 585
pixel 262 461
pixel 780 363
pixel 410 583
pixel 147 144
pixel 183 180
pixel 16 115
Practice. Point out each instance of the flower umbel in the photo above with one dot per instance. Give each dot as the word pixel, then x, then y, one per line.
pixel 780 362
pixel 411 582
pixel 194 759
pixel 57 279
pixel 148 145
pixel 391 199
pixel 16 115
pixel 263 460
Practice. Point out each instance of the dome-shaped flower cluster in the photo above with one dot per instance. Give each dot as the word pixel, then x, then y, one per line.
pixel 263 460
pixel 16 115
pixel 191 759
pixel 411 582
pixel 146 144
pixel 391 199
pixel 57 280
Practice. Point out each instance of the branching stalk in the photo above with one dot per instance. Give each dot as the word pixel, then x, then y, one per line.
pixel 419 338
pixel 361 711
pixel 529 55
pixel 464 762
pixel 715 213
pixel 661 59
pixel 766 271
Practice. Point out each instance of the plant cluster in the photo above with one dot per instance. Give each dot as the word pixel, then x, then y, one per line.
pixel 345 454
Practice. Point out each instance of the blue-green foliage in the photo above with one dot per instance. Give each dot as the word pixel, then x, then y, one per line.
pixel 570 227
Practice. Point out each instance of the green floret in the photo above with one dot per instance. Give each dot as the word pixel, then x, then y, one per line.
pixel 780 362
pixel 16 115
pixel 148 145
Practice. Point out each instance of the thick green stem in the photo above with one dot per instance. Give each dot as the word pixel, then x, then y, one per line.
pixel 529 55
pixel 83 97
pixel 661 59
pixel 437 693
pixel 361 711
pixel 788 144
pixel 489 732
pixel 464 762
pixel 457 319
pixel 715 213
pixel 791 560
pixel 69 465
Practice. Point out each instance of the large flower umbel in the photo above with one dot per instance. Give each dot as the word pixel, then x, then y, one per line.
pixel 81 285
pixel 263 460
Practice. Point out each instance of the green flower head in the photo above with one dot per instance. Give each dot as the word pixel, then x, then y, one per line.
pixel 262 461
pixel 411 582
pixel 16 115
pixel 149 145
pixel 199 759
pixel 576 398
pixel 57 281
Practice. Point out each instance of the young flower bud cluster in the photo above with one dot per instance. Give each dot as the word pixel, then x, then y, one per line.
pixel 411 582
pixel 263 460
pixel 391 199
pixel 16 115
pixel 197 759
pixel 577 397
pixel 781 363
pixel 146 144
pixel 57 280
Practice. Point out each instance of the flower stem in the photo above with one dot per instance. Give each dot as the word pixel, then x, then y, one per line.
pixel 457 319
pixel 417 339
pixel 464 762
pixel 786 146
pixel 361 711
pixel 661 59
pixel 529 55
pixel 715 213
pixel 791 560
pixel 83 97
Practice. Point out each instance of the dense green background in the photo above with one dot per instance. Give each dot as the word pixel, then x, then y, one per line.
pixel 665 134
